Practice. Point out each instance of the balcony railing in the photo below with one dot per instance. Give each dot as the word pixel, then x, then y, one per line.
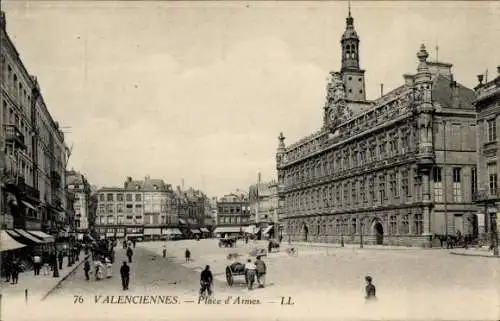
pixel 486 195
pixel 14 135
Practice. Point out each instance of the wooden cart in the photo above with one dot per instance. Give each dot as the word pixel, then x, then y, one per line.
pixel 234 270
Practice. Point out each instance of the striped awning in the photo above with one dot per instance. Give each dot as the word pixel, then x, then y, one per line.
pixel 227 229
pixel 43 236
pixel 268 229
pixel 7 243
pixel 172 231
pixel 182 221
pixel 28 236
pixel 152 231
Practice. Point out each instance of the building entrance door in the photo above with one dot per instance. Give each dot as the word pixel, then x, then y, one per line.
pixel 379 233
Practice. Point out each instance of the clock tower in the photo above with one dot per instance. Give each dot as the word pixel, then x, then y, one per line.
pixel 353 76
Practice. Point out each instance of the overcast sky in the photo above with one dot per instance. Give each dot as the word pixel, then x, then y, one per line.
pixel 201 90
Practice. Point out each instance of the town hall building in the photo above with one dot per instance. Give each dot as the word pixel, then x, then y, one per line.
pixel 398 170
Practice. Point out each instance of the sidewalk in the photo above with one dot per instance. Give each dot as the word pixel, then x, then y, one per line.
pixel 481 252
pixel 38 286
pixel 352 245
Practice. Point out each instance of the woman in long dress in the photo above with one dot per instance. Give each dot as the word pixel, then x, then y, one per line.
pixel 109 267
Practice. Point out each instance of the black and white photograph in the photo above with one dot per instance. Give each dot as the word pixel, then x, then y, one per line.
pixel 249 160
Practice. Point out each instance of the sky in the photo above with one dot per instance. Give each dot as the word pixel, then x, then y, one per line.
pixel 199 91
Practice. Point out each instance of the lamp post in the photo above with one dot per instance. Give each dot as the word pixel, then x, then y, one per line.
pixel 494 234
pixel 361 225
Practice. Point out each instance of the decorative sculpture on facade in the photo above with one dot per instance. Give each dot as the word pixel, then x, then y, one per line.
pixel 336 109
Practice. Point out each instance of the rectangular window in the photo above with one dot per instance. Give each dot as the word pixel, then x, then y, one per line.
pixel 110 208
pixel 381 150
pixel 119 208
pixel 418 224
pixel 393 227
pixel 492 130
pixel 362 191
pixel 405 225
pixel 138 197
pixel 346 194
pixel 354 193
pixel 457 185
pixel 110 197
pixel 354 158
pixel 101 197
pixel 404 183
pixel 129 197
pixel 362 157
pixel 493 178
pixel 119 197
pixel 473 175
pixel 371 188
pixel 438 185
pixel 373 153
pixel 381 187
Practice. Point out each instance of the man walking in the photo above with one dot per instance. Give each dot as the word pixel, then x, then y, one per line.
pixel 86 268
pixel 125 274
pixel 164 251
pixel 260 268
pixel 61 257
pixel 250 274
pixel 37 263
pixel 206 281
pixel 129 254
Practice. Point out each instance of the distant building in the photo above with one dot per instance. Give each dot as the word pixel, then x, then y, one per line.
pixel 263 203
pixel 396 170
pixel 141 209
pixel 233 214
pixel 77 184
pixel 488 110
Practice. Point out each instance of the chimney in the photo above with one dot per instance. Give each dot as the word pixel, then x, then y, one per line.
pixel 480 79
pixel 381 90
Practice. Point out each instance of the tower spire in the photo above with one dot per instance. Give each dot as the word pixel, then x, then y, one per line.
pixel 349 6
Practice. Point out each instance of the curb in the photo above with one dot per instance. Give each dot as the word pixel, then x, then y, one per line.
pixel 477 255
pixel 61 280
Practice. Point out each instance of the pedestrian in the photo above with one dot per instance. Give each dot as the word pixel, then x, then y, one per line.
pixel 370 289
pixel 133 242
pixel 269 247
pixel 61 257
pixel 164 251
pixel 250 274
pixel 129 254
pixel 260 269
pixel 206 281
pixel 7 265
pixel 37 263
pixel 15 269
pixel 125 274
pixel 187 255
pixel 86 269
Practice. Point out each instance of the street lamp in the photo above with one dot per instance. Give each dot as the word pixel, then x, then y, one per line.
pixel 361 225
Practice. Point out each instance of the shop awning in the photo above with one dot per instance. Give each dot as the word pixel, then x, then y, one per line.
pixel 29 205
pixel 7 243
pixel 182 221
pixel 152 231
pixel 204 230
pixel 227 229
pixel 28 236
pixel 195 231
pixel 110 234
pixel 120 234
pixel 43 236
pixel 172 231
pixel 267 229
pixel 252 229
pixel 135 234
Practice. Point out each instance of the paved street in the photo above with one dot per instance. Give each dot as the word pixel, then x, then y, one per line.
pixel 324 282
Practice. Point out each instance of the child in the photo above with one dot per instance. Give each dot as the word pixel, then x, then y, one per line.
pixel 188 255
pixel 370 289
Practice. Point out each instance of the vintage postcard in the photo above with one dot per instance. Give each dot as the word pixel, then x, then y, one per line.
pixel 249 160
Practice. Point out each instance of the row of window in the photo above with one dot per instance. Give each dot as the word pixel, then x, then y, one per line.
pixel 138 219
pixel 232 220
pixel 393 144
pixel 352 192
pixel 397 225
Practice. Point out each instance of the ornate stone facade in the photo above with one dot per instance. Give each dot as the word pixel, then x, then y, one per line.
pixel 375 174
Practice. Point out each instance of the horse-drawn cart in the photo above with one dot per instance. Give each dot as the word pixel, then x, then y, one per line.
pixel 229 242
pixel 236 269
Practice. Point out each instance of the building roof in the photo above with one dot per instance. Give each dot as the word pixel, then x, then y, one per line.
pixel 451 94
